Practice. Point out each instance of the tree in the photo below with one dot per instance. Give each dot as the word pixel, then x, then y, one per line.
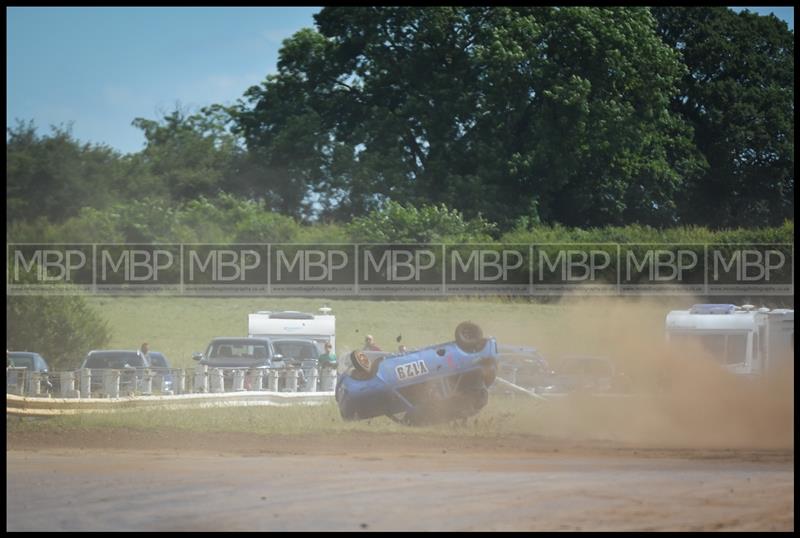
pixel 55 176
pixel 61 328
pixel 191 155
pixel 561 112
pixel 738 95
pixel 395 223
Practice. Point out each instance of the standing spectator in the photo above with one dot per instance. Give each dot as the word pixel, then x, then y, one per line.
pixel 327 359
pixel 370 345
pixel 145 350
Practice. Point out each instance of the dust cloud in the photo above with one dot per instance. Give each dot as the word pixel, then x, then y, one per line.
pixel 677 398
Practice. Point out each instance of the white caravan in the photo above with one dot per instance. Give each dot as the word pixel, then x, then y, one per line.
pixel 320 328
pixel 745 340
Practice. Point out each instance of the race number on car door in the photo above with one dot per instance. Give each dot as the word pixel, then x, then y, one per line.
pixel 412 369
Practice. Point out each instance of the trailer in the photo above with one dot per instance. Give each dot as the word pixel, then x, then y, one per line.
pixel 319 328
pixel 745 340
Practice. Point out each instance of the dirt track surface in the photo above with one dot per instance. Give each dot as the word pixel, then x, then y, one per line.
pixel 168 481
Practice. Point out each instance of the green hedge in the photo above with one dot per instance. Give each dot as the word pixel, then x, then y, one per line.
pixel 228 219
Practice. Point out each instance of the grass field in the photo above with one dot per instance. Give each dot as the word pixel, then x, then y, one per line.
pixel 580 416
pixel 179 326
pixel 502 415
pixel 674 402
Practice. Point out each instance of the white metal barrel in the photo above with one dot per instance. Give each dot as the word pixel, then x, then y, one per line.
pixel 67 384
pixel 201 378
pixel 272 380
pixel 327 381
pixel 35 384
pixel 146 383
pixel 111 383
pixel 179 381
pixel 86 382
pixel 311 374
pixel 216 378
pixel 238 379
pixel 291 376
pixel 256 379
pixel 15 379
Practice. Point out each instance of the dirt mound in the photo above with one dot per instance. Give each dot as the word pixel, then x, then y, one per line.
pixel 682 399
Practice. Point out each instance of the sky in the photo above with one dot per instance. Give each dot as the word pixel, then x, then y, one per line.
pixel 102 67
pixel 97 68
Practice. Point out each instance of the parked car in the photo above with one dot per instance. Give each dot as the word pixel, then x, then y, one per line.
pixel 159 363
pixel 230 353
pixel 132 363
pixel 33 362
pixel 588 374
pixel 295 350
pixel 299 353
pixel 437 383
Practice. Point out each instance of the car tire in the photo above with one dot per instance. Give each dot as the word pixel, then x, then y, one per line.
pixel 363 368
pixel 469 337
pixel 360 361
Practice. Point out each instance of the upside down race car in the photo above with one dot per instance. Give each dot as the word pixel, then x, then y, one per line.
pixel 434 384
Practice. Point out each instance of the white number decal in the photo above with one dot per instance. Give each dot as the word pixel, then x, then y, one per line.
pixel 412 369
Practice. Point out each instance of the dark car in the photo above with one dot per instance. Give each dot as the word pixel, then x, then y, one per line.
pixel 299 353
pixel 33 362
pixel 295 350
pixel 443 382
pixel 132 363
pixel 160 363
pixel 232 353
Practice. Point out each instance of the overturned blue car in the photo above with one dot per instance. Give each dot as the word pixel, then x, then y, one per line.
pixel 438 383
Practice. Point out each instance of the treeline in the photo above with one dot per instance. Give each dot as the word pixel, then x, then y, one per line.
pixel 489 122
pixel 229 219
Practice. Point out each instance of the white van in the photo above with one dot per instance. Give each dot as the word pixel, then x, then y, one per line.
pixel 745 340
pixel 320 328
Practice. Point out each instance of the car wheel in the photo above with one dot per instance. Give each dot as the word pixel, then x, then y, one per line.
pixel 469 337
pixel 360 361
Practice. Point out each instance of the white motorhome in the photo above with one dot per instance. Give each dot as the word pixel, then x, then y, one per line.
pixel 320 328
pixel 745 340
